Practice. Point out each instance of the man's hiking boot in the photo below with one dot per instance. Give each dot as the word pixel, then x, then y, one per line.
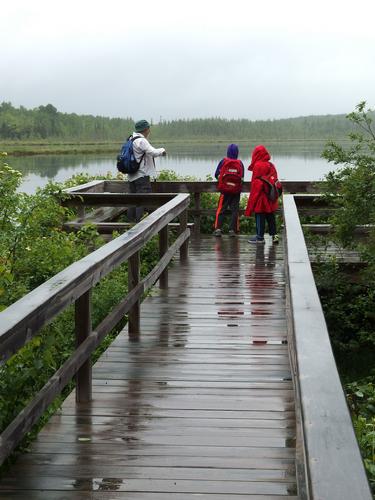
pixel 217 232
pixel 275 239
pixel 232 233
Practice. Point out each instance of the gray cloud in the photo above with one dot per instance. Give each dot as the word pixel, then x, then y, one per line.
pixel 258 73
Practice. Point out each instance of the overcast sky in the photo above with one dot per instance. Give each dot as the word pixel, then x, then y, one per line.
pixel 182 59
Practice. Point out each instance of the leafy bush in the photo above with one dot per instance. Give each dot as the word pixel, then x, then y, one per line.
pixel 348 308
pixel 361 399
pixel 352 188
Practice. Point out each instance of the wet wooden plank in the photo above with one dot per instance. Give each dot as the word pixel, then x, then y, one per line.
pixel 185 422
pixel 194 406
pixel 113 495
pixel 196 486
pixel 122 450
pixel 128 471
pixel 230 462
pixel 144 411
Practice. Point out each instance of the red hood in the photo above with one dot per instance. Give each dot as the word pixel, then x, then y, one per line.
pixel 260 154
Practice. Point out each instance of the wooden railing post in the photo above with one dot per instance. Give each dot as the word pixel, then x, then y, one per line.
pixel 197 218
pixel 83 330
pixel 81 212
pixel 163 248
pixel 133 280
pixel 183 225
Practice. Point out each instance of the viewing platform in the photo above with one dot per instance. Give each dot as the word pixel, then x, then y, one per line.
pixel 222 386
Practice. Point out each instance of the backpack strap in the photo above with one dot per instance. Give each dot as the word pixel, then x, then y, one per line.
pixel 131 138
pixel 265 182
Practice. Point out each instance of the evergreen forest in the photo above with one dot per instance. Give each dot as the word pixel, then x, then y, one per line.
pixel 47 123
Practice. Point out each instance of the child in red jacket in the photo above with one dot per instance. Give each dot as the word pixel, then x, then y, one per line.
pixel 258 202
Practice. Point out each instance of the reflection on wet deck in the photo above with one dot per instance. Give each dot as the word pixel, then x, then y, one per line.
pixel 201 404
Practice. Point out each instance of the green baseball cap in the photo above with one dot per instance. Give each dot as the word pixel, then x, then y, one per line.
pixel 141 125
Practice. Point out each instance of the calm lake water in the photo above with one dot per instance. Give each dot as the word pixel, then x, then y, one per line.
pixel 301 162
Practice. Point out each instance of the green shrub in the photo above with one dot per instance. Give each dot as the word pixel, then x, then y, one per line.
pixel 361 399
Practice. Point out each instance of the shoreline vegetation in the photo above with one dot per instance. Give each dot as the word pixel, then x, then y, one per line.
pixel 45 130
pixel 30 148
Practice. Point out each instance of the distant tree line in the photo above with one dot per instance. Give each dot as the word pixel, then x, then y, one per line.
pixel 45 122
pixel 302 128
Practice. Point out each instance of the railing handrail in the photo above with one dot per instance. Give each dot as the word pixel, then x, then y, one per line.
pixel 333 465
pixel 116 192
pixel 21 321
pixel 196 187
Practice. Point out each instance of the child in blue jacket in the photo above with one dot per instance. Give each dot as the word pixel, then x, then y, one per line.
pixel 230 173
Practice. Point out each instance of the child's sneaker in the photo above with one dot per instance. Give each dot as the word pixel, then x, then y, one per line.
pixel 232 233
pixel 255 240
pixel 217 232
pixel 275 239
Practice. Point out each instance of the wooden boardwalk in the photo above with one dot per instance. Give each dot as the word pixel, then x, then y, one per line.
pixel 201 406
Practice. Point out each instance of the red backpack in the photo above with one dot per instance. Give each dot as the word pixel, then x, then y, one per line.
pixel 230 178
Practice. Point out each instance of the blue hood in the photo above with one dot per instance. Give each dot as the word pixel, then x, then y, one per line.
pixel 232 151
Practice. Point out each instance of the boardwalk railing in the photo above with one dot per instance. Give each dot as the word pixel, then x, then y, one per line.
pixel 108 198
pixel 20 322
pixel 329 462
pixel 98 195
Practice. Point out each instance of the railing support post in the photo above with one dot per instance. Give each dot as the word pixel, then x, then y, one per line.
pixel 133 280
pixel 81 212
pixel 163 248
pixel 183 225
pixel 83 330
pixel 197 218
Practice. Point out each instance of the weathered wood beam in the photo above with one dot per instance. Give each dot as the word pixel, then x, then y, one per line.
pixel 330 448
pixel 163 248
pixel 102 214
pixel 134 317
pixel 363 229
pixel 96 186
pixel 114 199
pixel 183 226
pixel 109 227
pixel 117 186
pixel 82 331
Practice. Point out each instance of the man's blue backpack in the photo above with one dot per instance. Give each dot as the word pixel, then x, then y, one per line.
pixel 126 162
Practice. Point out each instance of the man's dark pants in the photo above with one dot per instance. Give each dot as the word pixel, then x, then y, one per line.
pixel 141 185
